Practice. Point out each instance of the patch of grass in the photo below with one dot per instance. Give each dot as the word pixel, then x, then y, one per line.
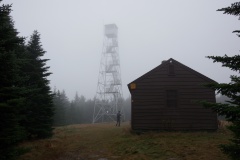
pixel 95 141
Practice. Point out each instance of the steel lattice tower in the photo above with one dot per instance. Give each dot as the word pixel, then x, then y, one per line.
pixel 108 100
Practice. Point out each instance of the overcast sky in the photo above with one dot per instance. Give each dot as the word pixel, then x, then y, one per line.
pixel 149 31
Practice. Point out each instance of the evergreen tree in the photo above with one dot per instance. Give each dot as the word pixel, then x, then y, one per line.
pixel 75 112
pixel 88 111
pixel 11 101
pixel 230 110
pixel 82 110
pixel 61 104
pixel 39 111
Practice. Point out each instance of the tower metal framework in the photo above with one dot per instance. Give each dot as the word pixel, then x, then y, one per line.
pixel 109 98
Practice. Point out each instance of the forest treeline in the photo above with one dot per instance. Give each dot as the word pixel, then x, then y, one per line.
pixel 79 110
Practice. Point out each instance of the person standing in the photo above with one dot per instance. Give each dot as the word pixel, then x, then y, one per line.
pixel 118 118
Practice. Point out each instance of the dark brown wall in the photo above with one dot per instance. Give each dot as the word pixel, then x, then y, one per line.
pixel 149 104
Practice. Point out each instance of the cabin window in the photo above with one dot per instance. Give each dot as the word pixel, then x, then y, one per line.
pixel 171 69
pixel 171 98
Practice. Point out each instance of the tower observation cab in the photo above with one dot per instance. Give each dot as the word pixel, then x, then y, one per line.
pixel 111 30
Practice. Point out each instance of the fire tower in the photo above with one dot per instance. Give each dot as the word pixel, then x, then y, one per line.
pixel 108 100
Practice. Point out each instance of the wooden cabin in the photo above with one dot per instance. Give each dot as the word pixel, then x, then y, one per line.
pixel 165 99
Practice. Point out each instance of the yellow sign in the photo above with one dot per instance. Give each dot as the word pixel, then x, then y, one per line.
pixel 133 86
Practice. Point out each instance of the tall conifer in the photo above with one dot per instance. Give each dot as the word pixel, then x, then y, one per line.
pixel 11 101
pixel 39 111
pixel 231 110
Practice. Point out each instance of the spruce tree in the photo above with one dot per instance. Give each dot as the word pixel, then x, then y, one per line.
pixel 11 101
pixel 39 111
pixel 74 112
pixel 61 104
pixel 230 110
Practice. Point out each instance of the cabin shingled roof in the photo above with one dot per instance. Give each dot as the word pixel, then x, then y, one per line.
pixel 174 61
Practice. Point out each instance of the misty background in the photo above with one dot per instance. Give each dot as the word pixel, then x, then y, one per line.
pixel 149 31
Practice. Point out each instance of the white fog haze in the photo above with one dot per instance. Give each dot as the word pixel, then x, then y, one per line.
pixel 149 31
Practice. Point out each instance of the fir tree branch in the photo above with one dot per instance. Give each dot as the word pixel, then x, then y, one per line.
pixel 231 62
pixel 234 9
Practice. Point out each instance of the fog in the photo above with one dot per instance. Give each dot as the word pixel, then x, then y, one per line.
pixel 149 32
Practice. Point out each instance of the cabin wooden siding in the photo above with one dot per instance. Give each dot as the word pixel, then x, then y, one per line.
pixel 149 100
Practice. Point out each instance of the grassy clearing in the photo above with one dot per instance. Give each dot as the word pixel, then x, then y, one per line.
pixel 95 141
